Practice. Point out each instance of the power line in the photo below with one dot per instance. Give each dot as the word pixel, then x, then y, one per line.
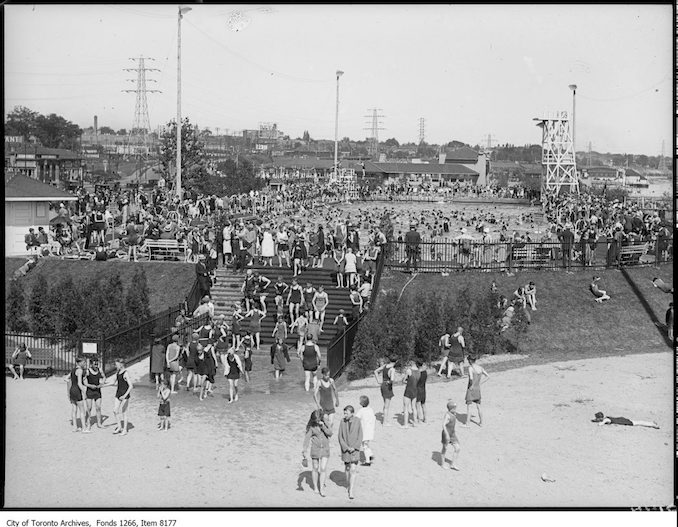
pixel 142 124
pixel 374 129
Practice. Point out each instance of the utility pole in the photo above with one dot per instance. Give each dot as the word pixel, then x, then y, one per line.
pixel 374 129
pixel 336 128
pixel 141 126
pixel 180 16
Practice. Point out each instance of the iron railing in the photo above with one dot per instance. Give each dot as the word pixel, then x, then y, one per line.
pixel 471 254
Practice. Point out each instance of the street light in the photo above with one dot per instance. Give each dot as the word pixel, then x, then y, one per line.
pixel 181 12
pixel 336 126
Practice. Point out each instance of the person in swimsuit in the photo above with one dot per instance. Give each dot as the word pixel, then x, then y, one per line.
pixel 475 374
pixel 232 369
pixel 326 396
pixel 280 289
pixel 307 301
pixel 603 419
pixel 122 396
pixel 191 363
pixel 456 354
pixel 449 436
pixel 164 393
pixel 172 355
pixel 387 377
pixel 445 345
pixel 310 356
pixel 301 324
pixel 94 380
pixel 294 298
pixel 77 394
pixel 341 322
pixel 210 371
pixel 320 302
pixel 421 392
pixel 318 435
pixel 255 316
pixel 411 379
pixel 19 358
pixel 598 293
pixel 280 329
pixel 279 355
pixel 247 356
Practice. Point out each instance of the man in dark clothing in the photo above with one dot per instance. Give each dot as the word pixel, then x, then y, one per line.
pixel 204 282
pixel 412 247
pixel 31 239
pixel 566 238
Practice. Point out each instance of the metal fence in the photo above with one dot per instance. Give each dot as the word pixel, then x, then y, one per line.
pixel 470 254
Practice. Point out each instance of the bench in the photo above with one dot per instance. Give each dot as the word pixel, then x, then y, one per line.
pixel 633 253
pixel 164 249
pixel 42 360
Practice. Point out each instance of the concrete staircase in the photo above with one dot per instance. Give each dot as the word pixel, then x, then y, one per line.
pixel 227 291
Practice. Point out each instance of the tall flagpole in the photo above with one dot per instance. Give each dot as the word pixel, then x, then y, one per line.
pixel 181 12
pixel 336 128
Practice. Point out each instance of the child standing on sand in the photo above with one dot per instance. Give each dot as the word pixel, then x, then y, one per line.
pixel 164 393
pixel 449 436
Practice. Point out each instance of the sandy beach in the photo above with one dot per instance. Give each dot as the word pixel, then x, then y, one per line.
pixel 537 421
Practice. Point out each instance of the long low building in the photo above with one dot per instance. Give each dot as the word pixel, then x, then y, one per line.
pixel 27 205
pixel 437 174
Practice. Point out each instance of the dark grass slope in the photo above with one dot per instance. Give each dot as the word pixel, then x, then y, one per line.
pixel 568 323
pixel 168 282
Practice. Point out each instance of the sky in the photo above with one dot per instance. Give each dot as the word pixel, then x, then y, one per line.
pixel 468 70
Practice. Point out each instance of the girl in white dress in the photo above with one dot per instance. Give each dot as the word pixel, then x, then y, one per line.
pixel 267 248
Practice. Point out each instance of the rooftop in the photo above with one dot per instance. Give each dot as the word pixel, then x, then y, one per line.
pixel 419 168
pixel 22 188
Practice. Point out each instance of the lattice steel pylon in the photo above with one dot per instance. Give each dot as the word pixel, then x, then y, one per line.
pixel 557 154
pixel 422 129
pixel 374 146
pixel 142 125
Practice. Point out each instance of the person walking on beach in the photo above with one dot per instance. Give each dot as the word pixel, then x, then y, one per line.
pixel 387 378
pixel 326 396
pixel 164 394
pixel 367 421
pixel 279 354
pixel 475 375
pixel 449 436
pixel 310 357
pixel 409 397
pixel 232 370
pixel 94 379
pixel 350 441
pixel 318 437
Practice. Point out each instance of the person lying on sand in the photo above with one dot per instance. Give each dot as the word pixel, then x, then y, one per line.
pixel 663 286
pixel 602 419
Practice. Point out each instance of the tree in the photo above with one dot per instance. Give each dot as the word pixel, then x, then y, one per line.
pixel 106 130
pixel 21 121
pixel 430 327
pixel 306 137
pixel 193 163
pixel 15 307
pixel 455 144
pixel 238 178
pixel 391 142
pixel 40 321
pixel 137 299
pixel 54 131
pixel 122 131
pixel 112 307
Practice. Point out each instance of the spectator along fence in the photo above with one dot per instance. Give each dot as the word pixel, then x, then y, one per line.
pixel 465 254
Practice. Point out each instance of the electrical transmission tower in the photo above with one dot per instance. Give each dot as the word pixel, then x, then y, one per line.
pixel 139 133
pixel 374 129
pixel 557 154
pixel 422 126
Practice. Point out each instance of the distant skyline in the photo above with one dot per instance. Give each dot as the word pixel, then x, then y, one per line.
pixel 469 70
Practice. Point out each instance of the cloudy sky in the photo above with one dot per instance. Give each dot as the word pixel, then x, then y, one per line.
pixel 468 70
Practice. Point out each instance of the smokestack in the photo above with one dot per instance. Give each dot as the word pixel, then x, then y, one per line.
pixel 95 125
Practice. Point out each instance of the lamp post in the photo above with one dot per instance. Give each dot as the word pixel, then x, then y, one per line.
pixel 181 12
pixel 336 127
pixel 573 87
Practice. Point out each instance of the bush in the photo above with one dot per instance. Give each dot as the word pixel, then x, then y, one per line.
pixel 15 307
pixel 38 308
pixel 137 300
